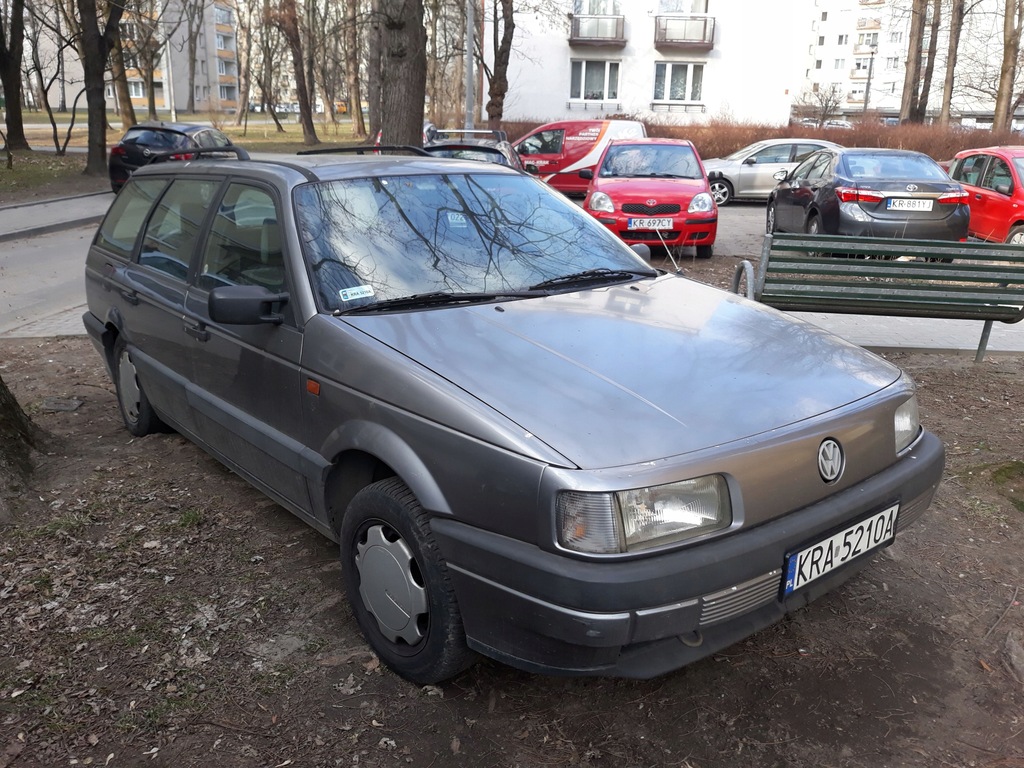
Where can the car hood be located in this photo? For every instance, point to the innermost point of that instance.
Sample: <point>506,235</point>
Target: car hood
<point>719,164</point>
<point>636,372</point>
<point>644,188</point>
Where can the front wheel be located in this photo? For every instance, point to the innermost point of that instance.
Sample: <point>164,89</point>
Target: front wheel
<point>1016,236</point>
<point>399,586</point>
<point>721,190</point>
<point>705,251</point>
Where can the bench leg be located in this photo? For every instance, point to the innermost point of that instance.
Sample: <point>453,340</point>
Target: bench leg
<point>983,344</point>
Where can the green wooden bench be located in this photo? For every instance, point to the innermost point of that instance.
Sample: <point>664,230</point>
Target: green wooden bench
<point>880,276</point>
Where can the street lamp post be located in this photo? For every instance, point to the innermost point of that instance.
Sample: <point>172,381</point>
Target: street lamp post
<point>871,68</point>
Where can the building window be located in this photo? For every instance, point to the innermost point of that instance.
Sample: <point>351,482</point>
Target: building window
<point>136,89</point>
<point>682,6</point>
<point>867,38</point>
<point>895,37</point>
<point>821,39</point>
<point>862,63</point>
<point>202,67</point>
<point>225,43</point>
<point>843,40</point>
<point>892,62</point>
<point>222,15</point>
<point>597,7</point>
<point>594,80</point>
<point>840,64</point>
<point>227,93</point>
<point>824,15</point>
<point>817,64</point>
<point>678,82</point>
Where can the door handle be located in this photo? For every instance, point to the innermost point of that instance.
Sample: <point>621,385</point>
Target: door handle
<point>977,196</point>
<point>130,296</point>
<point>197,331</point>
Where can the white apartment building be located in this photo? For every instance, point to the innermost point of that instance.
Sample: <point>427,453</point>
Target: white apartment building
<point>680,61</point>
<point>685,61</point>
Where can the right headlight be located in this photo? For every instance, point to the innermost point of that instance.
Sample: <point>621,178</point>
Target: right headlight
<point>907,424</point>
<point>607,523</point>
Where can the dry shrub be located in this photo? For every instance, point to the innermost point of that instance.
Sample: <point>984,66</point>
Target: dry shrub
<point>718,138</point>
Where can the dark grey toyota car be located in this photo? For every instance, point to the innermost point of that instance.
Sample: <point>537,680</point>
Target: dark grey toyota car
<point>528,442</point>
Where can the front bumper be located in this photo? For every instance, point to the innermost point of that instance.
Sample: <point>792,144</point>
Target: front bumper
<point>545,612</point>
<point>686,230</point>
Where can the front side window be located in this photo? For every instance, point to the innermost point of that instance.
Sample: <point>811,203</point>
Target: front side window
<point>173,229</point>
<point>244,246</point>
<point>543,143</point>
<point>998,175</point>
<point>594,80</point>
<point>675,81</point>
<point>778,153</point>
<point>371,240</point>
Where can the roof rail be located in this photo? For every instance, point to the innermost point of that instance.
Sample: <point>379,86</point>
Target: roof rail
<point>466,133</point>
<point>362,149</point>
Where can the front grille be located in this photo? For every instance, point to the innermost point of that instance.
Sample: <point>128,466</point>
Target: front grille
<point>740,599</point>
<point>634,234</point>
<point>651,210</point>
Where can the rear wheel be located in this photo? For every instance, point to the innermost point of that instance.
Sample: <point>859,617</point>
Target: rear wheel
<point>813,228</point>
<point>769,223</point>
<point>721,190</point>
<point>139,416</point>
<point>399,586</point>
<point>1016,236</point>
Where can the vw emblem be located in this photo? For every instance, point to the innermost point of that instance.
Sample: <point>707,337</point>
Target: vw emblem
<point>651,201</point>
<point>911,187</point>
<point>830,460</point>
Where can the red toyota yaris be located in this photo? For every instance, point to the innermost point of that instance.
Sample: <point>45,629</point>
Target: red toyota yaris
<point>654,191</point>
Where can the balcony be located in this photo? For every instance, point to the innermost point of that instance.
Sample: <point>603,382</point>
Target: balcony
<point>690,33</point>
<point>598,30</point>
<point>869,23</point>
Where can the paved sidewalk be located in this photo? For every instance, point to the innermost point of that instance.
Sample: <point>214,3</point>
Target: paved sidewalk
<point>43,216</point>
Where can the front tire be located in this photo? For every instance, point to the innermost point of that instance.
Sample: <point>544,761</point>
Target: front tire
<point>399,586</point>
<point>722,191</point>
<point>705,251</point>
<point>769,223</point>
<point>1016,235</point>
<point>136,410</point>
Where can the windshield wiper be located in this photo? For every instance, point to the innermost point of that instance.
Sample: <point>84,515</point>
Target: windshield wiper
<point>437,299</point>
<point>602,275</point>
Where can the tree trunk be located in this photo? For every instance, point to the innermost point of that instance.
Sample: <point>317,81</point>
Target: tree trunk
<point>921,110</point>
<point>120,77</point>
<point>18,435</point>
<point>11,48</point>
<point>355,97</point>
<point>404,80</point>
<point>957,12</point>
<point>912,78</point>
<point>1013,19</point>
<point>287,20</point>
<point>375,68</point>
<point>95,46</point>
<point>498,85</point>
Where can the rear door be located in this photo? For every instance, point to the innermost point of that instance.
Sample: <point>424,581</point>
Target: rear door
<point>755,177</point>
<point>970,171</point>
<point>994,202</point>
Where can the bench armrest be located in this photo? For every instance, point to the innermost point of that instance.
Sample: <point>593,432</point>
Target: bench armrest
<point>744,272</point>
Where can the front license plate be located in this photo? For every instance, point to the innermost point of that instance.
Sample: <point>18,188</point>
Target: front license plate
<point>822,558</point>
<point>650,223</point>
<point>903,204</point>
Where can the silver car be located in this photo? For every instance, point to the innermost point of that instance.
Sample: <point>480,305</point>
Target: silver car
<point>528,443</point>
<point>750,172</point>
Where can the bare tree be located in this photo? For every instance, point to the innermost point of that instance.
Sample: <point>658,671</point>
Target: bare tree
<point>286,18</point>
<point>12,36</point>
<point>47,49</point>
<point>915,52</point>
<point>355,97</point>
<point>95,46</point>
<point>1013,24</point>
<point>18,436</point>
<point>375,67</point>
<point>822,102</point>
<point>192,15</point>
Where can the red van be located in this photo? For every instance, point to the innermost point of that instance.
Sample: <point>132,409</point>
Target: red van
<point>562,149</point>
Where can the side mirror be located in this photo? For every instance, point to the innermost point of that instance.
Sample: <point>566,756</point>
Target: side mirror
<point>750,161</point>
<point>642,250</point>
<point>1003,189</point>
<point>245,305</point>
<point>532,169</point>
<point>780,175</point>
<point>587,173</point>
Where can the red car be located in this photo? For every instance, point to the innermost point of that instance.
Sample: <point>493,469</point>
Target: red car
<point>654,191</point>
<point>994,180</point>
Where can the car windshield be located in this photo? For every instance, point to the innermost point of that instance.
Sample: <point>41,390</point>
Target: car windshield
<point>480,154</point>
<point>885,166</point>
<point>646,160</point>
<point>378,239</point>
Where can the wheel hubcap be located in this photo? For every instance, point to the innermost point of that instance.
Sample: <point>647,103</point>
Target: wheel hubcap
<point>771,219</point>
<point>1017,239</point>
<point>720,193</point>
<point>389,585</point>
<point>128,386</point>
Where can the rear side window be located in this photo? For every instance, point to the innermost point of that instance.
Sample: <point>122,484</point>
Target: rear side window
<point>127,215</point>
<point>212,138</point>
<point>173,229</point>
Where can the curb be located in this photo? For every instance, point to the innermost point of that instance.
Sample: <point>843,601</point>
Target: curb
<point>49,200</point>
<point>47,229</point>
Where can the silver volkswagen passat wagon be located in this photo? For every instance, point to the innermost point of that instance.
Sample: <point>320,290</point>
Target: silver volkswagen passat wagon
<point>528,443</point>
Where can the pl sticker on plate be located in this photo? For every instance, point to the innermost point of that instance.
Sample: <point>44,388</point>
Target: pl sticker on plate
<point>359,292</point>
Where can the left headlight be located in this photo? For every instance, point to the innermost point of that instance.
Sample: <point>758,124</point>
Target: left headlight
<point>907,424</point>
<point>606,523</point>
<point>701,203</point>
<point>599,201</point>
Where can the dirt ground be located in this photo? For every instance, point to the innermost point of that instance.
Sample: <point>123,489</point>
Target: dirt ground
<point>156,610</point>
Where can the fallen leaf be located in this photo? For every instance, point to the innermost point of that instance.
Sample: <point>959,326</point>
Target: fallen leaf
<point>456,745</point>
